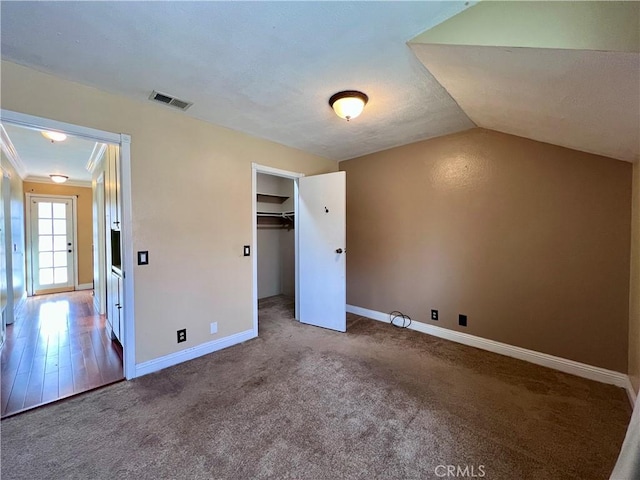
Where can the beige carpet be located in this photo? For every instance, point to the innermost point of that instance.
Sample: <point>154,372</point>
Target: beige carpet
<point>306,403</point>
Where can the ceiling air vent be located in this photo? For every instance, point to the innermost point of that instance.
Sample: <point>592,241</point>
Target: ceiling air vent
<point>169,100</point>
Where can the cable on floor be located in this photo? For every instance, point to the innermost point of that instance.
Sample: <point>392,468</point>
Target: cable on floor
<point>395,315</point>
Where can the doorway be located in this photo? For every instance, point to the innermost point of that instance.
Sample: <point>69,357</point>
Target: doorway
<point>319,236</point>
<point>51,243</point>
<point>275,238</point>
<point>121,143</point>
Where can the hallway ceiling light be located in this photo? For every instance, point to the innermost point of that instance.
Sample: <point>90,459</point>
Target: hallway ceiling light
<point>348,104</point>
<point>59,178</point>
<point>54,136</point>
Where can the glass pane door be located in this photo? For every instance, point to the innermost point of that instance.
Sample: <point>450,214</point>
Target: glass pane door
<point>52,245</point>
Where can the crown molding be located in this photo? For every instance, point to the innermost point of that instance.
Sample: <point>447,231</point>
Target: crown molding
<point>11,153</point>
<point>95,159</point>
<point>68,183</point>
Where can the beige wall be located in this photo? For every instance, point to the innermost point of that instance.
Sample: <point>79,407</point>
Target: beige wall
<point>593,25</point>
<point>529,240</point>
<point>192,205</point>
<point>85,222</point>
<point>634,295</point>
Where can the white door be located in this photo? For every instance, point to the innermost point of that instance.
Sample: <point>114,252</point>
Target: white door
<point>322,250</point>
<point>52,245</point>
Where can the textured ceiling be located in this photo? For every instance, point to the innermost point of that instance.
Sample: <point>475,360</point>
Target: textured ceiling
<point>585,100</point>
<point>264,68</point>
<point>42,158</point>
<point>566,73</point>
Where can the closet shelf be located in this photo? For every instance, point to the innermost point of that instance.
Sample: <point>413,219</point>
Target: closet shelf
<point>276,214</point>
<point>268,198</point>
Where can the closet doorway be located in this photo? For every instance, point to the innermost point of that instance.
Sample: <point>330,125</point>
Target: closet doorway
<point>275,238</point>
<point>319,237</point>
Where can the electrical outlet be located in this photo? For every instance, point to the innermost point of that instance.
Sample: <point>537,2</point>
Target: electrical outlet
<point>434,314</point>
<point>214,327</point>
<point>182,335</point>
<point>462,320</point>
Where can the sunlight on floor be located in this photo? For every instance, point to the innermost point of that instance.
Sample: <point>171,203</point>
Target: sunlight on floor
<point>54,317</point>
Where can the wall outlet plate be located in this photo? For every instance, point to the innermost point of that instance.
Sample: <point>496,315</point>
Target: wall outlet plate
<point>462,320</point>
<point>434,314</point>
<point>143,258</point>
<point>214,327</point>
<point>182,335</point>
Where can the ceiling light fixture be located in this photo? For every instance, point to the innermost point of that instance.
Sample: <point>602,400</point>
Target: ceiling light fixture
<point>348,104</point>
<point>54,136</point>
<point>59,178</point>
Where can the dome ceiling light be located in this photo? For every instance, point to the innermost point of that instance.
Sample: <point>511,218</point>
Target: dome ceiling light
<point>348,104</point>
<point>59,178</point>
<point>54,136</point>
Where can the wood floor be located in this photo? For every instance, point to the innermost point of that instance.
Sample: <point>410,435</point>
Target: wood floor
<point>57,347</point>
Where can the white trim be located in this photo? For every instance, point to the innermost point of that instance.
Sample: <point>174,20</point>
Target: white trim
<point>40,123</point>
<point>276,171</point>
<point>550,361</point>
<point>126,222</point>
<point>68,183</point>
<point>255,169</point>
<point>95,159</point>
<point>11,153</point>
<point>193,352</point>
<point>84,286</point>
<point>74,207</point>
<point>631,393</point>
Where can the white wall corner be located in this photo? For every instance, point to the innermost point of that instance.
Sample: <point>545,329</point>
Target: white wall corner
<point>557,363</point>
<point>194,352</point>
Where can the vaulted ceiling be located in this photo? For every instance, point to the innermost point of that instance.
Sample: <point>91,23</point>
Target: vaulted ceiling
<point>566,73</point>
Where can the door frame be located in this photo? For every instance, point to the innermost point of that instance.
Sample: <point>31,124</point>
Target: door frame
<point>255,169</point>
<point>28,240</point>
<point>124,142</point>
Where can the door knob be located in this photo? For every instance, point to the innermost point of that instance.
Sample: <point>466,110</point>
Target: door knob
<point>339,250</point>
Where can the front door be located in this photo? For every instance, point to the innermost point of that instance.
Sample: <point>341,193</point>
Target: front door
<point>52,258</point>
<point>322,250</point>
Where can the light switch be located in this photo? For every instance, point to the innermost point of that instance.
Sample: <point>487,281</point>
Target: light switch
<point>143,258</point>
<point>247,250</point>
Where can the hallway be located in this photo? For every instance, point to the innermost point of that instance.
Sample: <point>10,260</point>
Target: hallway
<point>57,347</point>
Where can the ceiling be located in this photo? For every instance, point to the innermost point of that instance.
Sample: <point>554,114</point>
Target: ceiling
<point>41,158</point>
<point>581,99</point>
<point>264,68</point>
<point>566,73</point>
<point>577,85</point>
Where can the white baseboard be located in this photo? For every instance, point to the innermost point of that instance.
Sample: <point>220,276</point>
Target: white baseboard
<point>557,363</point>
<point>631,393</point>
<point>84,286</point>
<point>193,352</point>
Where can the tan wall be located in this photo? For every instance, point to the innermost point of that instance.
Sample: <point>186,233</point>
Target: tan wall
<point>529,240</point>
<point>85,222</point>
<point>634,296</point>
<point>192,205</point>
